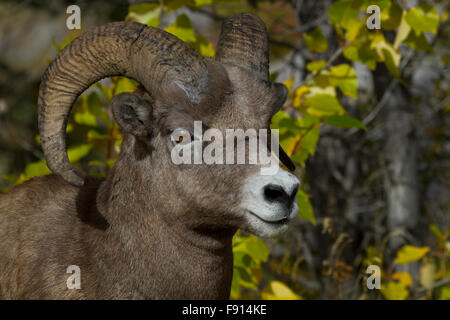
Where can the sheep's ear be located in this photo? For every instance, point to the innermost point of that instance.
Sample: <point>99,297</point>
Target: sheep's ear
<point>281,92</point>
<point>133,114</point>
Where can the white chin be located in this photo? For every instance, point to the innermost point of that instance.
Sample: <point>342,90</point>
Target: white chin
<point>265,215</point>
<point>262,228</point>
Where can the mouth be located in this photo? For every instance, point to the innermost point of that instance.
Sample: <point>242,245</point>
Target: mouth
<point>281,222</point>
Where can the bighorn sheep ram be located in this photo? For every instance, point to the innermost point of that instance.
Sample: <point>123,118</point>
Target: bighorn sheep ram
<point>152,229</point>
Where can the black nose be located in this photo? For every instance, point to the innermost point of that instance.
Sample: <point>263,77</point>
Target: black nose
<point>276,193</point>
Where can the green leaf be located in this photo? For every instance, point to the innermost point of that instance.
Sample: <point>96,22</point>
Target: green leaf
<point>288,127</point>
<point>125,85</point>
<point>391,17</point>
<point>111,162</point>
<point>254,247</point>
<point>243,260</point>
<point>300,157</point>
<point>387,54</point>
<point>391,63</point>
<point>402,32</point>
<point>424,18</point>
<point>95,107</point>
<point>407,254</point>
<point>307,146</point>
<point>315,65</point>
<point>417,42</point>
<point>360,54</point>
<point>435,230</point>
<point>200,3</point>
<point>291,124</point>
<point>244,278</point>
<point>182,28</point>
<point>171,5</point>
<point>85,118</point>
<point>309,140</point>
<point>321,105</point>
<point>277,290</point>
<point>146,13</point>
<point>315,40</point>
<point>383,4</point>
<point>305,210</point>
<point>344,121</point>
<point>403,277</point>
<point>94,135</point>
<point>36,169</point>
<point>321,80</point>
<point>394,291</point>
<point>204,47</point>
<point>344,77</point>
<point>106,91</point>
<point>445,293</point>
<point>77,153</point>
<point>343,13</point>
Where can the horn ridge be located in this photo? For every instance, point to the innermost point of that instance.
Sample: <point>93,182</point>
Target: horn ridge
<point>244,43</point>
<point>128,49</point>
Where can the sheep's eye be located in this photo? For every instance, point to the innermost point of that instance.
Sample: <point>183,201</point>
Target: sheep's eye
<point>181,136</point>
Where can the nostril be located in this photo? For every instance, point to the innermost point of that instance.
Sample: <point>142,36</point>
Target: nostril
<point>274,193</point>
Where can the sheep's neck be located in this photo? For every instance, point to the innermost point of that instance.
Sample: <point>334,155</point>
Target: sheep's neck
<point>161,261</point>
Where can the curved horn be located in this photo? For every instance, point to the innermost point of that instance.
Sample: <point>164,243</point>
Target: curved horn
<point>244,43</point>
<point>150,56</point>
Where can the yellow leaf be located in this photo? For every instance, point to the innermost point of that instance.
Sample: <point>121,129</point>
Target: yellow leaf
<point>147,13</point>
<point>305,210</point>
<point>313,90</point>
<point>298,95</point>
<point>394,291</point>
<point>76,153</point>
<point>182,28</point>
<point>353,28</point>
<point>85,118</point>
<point>315,40</point>
<point>344,77</point>
<point>409,253</point>
<point>427,273</point>
<point>204,47</point>
<point>36,169</point>
<point>321,105</point>
<point>402,32</point>
<point>277,290</point>
<point>423,18</point>
<point>293,145</point>
<point>125,85</point>
<point>315,66</point>
<point>445,293</point>
<point>386,53</point>
<point>403,277</point>
<point>288,83</point>
<point>21,179</point>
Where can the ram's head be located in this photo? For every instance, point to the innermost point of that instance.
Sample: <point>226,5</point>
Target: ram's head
<point>178,87</point>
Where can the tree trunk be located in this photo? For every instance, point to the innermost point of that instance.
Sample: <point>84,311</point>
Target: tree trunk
<point>400,155</point>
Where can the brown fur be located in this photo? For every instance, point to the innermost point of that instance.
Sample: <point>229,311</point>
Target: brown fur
<point>151,230</point>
